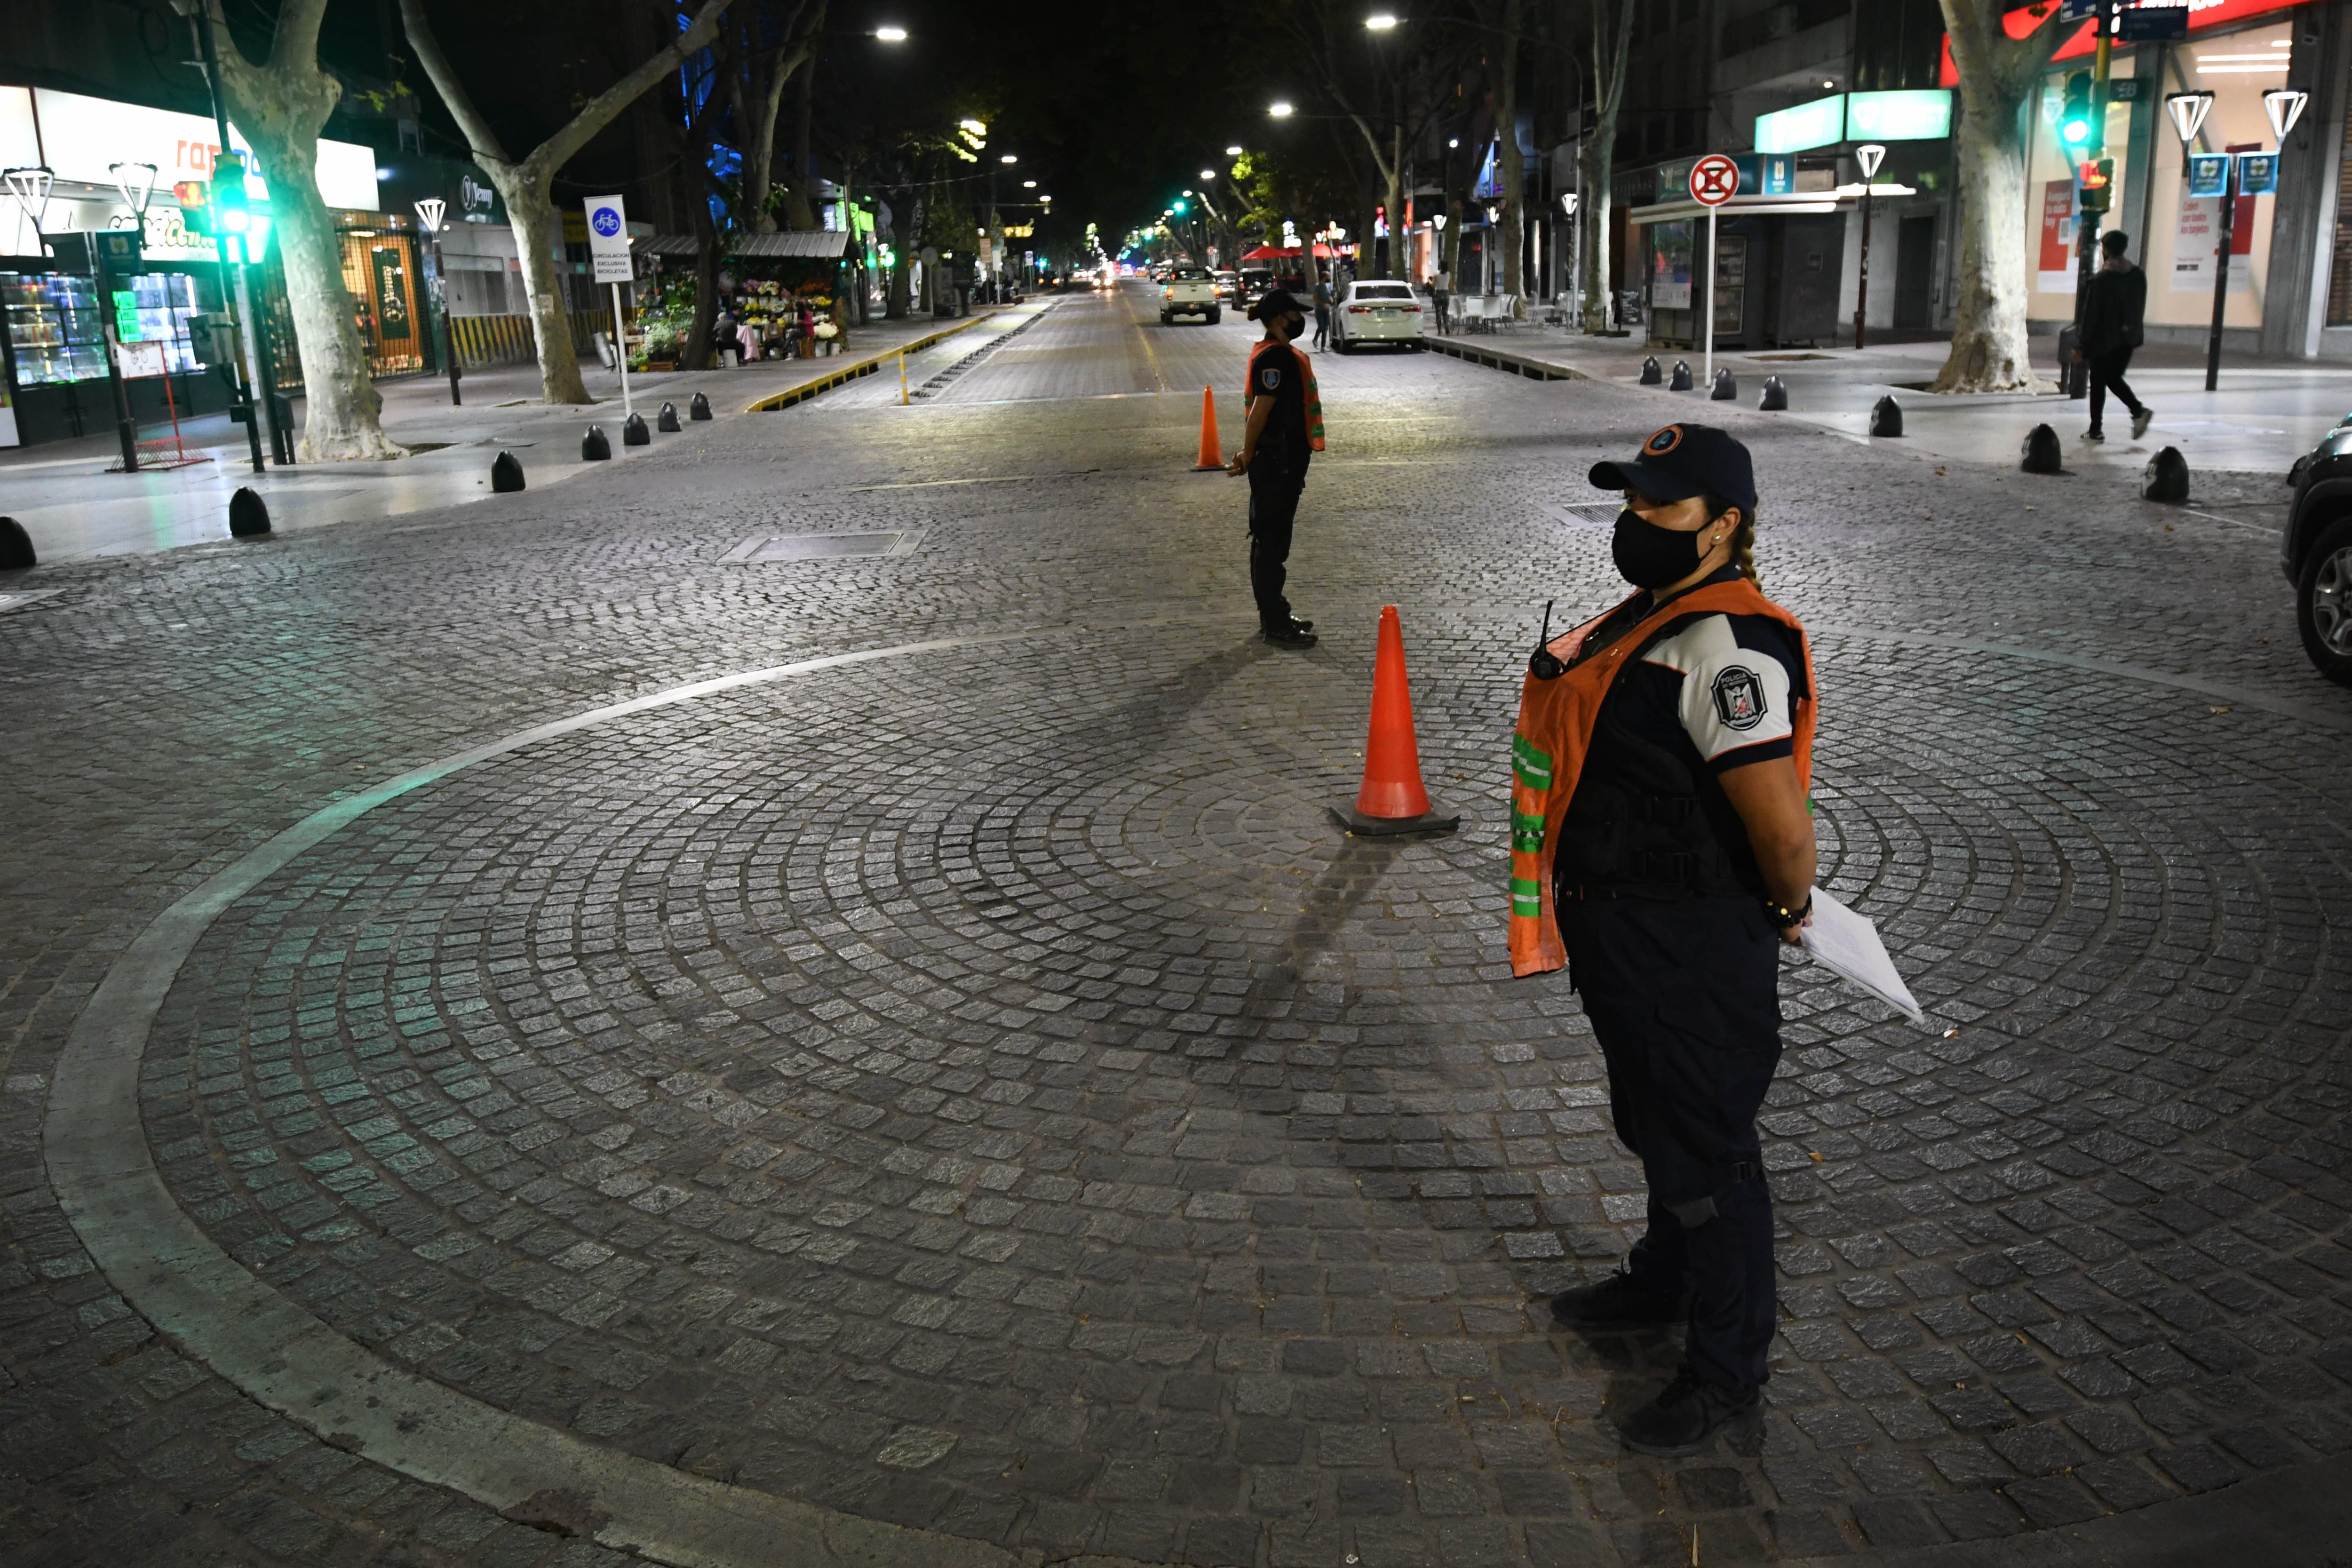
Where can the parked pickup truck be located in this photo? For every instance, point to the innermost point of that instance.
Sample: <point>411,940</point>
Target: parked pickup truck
<point>1189,291</point>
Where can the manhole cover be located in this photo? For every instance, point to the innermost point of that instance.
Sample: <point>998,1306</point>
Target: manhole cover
<point>823,546</point>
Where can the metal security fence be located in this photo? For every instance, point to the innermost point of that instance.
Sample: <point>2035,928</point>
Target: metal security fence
<point>506,340</point>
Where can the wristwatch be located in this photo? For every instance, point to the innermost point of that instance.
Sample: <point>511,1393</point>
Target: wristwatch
<point>1783,918</point>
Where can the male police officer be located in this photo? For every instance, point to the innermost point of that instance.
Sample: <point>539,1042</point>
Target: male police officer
<point>1660,769</point>
<point>1284,426</point>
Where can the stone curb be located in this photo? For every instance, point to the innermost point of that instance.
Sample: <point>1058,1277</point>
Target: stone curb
<point>868,365</point>
<point>1505,360</point>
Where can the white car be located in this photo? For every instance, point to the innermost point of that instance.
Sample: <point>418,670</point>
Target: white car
<point>1377,311</point>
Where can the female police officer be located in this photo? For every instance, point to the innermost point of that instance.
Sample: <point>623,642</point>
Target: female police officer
<point>1662,849</point>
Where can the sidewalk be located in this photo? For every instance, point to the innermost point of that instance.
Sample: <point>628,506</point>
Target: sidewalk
<point>75,509</point>
<point>2266,414</point>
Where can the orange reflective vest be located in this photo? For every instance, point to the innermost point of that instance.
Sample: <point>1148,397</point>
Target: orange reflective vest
<point>1310,399</point>
<point>1555,721</point>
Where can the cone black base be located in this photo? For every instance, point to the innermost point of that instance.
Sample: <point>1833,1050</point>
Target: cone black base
<point>1437,819</point>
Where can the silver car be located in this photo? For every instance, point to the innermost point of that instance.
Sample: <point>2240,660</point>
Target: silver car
<point>1377,311</point>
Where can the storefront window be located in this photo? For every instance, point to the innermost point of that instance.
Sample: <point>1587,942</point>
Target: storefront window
<point>2237,69</point>
<point>53,327</point>
<point>380,273</point>
<point>2050,182</point>
<point>163,302</point>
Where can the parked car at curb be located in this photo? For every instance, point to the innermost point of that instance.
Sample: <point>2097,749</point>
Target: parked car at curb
<point>2316,553</point>
<point>1229,286</point>
<point>1376,311</point>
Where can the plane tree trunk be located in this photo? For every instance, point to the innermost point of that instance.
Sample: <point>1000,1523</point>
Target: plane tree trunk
<point>526,184</point>
<point>1997,73</point>
<point>1613,37</point>
<point>280,106</point>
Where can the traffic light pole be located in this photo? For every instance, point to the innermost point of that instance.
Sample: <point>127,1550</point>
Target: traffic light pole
<point>231,298</point>
<point>2086,228</point>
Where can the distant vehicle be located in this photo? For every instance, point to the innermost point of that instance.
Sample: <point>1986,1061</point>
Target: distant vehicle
<point>1229,284</point>
<point>1250,287</point>
<point>1189,291</point>
<point>2316,552</point>
<point>1376,312</point>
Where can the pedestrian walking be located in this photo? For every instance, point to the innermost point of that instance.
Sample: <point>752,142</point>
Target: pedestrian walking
<point>1663,851</point>
<point>1284,426</point>
<point>2114,311</point>
<point>1441,289</point>
<point>1322,313</point>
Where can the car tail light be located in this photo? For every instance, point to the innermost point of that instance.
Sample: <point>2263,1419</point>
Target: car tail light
<point>1360,310</point>
<point>1413,310</point>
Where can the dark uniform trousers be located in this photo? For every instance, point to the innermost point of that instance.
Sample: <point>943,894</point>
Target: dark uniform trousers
<point>1684,996</point>
<point>1277,480</point>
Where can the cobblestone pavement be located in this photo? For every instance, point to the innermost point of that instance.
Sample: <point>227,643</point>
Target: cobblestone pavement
<point>976,1089</point>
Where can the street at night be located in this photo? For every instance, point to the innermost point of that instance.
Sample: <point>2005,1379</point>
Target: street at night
<point>805,994</point>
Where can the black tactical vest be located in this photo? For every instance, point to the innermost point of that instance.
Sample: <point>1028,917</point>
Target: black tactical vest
<point>1641,825</point>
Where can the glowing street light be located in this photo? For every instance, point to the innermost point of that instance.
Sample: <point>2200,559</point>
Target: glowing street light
<point>2189,111</point>
<point>1028,185</point>
<point>1380,22</point>
<point>1233,151</point>
<point>1208,173</point>
<point>1009,158</point>
<point>1280,110</point>
<point>2284,105</point>
<point>891,34</point>
<point>137,183</point>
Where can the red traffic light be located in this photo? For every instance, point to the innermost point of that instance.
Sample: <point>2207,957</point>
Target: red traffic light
<point>2093,174</point>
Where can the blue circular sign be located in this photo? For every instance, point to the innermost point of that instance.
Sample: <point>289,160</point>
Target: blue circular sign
<point>607,221</point>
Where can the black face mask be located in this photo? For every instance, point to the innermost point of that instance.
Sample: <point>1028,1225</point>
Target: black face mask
<point>1649,556</point>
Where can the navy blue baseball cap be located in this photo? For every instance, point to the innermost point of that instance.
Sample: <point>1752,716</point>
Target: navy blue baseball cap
<point>1685,460</point>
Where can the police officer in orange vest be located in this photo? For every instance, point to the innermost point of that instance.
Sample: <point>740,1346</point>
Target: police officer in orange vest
<point>1663,848</point>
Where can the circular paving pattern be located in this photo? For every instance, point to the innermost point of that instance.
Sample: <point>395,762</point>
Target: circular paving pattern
<point>1034,1122</point>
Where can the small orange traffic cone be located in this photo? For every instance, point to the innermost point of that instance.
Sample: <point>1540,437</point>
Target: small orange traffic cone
<point>1209,450</point>
<point>1392,799</point>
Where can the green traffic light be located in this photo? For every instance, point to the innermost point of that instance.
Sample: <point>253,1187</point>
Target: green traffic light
<point>2075,114</point>
<point>1179,206</point>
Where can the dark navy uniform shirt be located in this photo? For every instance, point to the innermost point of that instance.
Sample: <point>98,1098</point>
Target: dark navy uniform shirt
<point>1275,372</point>
<point>1717,691</point>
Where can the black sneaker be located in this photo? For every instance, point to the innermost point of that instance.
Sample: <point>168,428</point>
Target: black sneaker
<point>1685,1417</point>
<point>1617,1302</point>
<point>2095,435</point>
<point>2140,422</point>
<point>1295,635</point>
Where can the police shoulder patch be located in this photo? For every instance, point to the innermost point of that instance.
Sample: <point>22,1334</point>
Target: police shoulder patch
<point>1270,378</point>
<point>1739,698</point>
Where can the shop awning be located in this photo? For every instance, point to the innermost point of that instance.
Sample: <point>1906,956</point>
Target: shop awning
<point>1286,253</point>
<point>1840,198</point>
<point>817,244</point>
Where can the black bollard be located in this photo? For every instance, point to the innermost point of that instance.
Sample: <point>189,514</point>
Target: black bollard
<point>1776,394</point>
<point>15,546</point>
<point>1726,388</point>
<point>1649,374</point>
<point>2040,454</point>
<point>667,420</point>
<point>699,408</point>
<point>1886,416</point>
<point>505,474</point>
<point>2166,478</point>
<point>1681,381</point>
<point>594,447</point>
<point>635,433</point>
<point>249,514</point>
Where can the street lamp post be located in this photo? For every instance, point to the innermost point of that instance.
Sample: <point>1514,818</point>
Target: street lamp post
<point>429,213</point>
<point>1869,156</point>
<point>137,183</point>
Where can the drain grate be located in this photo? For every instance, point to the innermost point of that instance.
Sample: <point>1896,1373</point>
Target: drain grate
<point>763,548</point>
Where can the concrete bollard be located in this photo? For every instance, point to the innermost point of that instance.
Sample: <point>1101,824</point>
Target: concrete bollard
<point>1726,388</point>
<point>249,514</point>
<point>505,474</point>
<point>15,546</point>
<point>594,447</point>
<point>2166,478</point>
<point>633,432</point>
<point>2040,454</point>
<point>699,408</point>
<point>1776,394</point>
<point>667,420</point>
<point>1886,416</point>
<point>1651,376</point>
<point>1681,381</point>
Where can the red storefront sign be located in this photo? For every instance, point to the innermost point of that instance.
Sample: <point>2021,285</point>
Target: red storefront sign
<point>2202,14</point>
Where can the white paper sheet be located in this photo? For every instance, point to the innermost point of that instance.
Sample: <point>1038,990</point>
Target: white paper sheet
<point>1847,945</point>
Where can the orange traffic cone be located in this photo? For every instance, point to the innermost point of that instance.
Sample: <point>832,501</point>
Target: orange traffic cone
<point>1392,799</point>
<point>1209,450</point>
